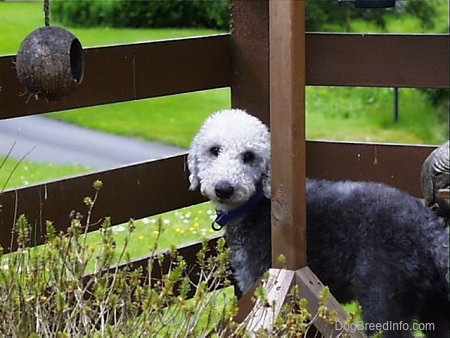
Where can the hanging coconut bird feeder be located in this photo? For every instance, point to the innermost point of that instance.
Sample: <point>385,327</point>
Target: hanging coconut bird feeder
<point>50,61</point>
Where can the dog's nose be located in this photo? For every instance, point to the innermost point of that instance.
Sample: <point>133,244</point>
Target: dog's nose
<point>224,189</point>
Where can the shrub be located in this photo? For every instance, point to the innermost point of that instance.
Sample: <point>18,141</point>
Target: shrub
<point>436,96</point>
<point>85,13</point>
<point>145,13</point>
<point>440,99</point>
<point>65,288</point>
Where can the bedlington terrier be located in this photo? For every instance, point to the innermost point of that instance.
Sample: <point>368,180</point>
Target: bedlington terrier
<point>366,241</point>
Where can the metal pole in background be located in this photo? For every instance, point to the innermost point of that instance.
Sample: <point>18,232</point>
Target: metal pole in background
<point>396,105</point>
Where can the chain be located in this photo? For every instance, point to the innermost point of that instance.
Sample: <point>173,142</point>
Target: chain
<point>47,12</point>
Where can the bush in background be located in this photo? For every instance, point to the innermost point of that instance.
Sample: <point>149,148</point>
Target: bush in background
<point>331,15</point>
<point>144,14</point>
<point>320,15</point>
<point>85,13</point>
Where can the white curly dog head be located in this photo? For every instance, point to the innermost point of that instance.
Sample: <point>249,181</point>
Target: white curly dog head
<point>230,159</point>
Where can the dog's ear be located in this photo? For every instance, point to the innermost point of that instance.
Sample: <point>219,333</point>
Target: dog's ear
<point>192,163</point>
<point>266,181</point>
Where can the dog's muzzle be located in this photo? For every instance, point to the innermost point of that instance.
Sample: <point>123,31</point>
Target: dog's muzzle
<point>224,190</point>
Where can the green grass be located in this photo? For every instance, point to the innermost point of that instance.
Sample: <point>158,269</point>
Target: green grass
<point>334,113</point>
<point>169,119</point>
<point>180,226</point>
<point>366,114</point>
<point>18,19</point>
<point>15,174</point>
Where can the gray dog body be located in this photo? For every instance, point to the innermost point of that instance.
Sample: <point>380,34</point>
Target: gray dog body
<point>366,241</point>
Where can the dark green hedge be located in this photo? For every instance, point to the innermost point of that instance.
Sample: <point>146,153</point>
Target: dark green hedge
<point>143,13</point>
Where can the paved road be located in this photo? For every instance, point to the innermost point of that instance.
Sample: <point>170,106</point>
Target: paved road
<point>63,143</point>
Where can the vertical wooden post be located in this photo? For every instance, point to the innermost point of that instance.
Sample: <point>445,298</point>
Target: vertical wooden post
<point>287,122</point>
<point>250,57</point>
<point>284,96</point>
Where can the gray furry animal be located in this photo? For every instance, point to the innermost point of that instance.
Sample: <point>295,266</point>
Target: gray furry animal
<point>366,241</point>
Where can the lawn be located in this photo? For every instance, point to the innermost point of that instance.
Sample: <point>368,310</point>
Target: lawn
<point>168,119</point>
<point>366,114</point>
<point>15,173</point>
<point>18,19</point>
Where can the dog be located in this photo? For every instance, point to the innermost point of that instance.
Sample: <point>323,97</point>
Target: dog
<point>366,241</point>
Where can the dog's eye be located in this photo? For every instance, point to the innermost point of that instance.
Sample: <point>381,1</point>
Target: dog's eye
<point>248,157</point>
<point>214,151</point>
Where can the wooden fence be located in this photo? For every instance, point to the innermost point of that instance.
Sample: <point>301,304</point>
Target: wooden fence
<point>239,60</point>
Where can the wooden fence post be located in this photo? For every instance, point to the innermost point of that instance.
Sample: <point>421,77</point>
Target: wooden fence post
<point>287,124</point>
<point>250,57</point>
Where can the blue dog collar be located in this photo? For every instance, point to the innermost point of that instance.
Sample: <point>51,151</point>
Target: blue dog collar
<point>223,217</point>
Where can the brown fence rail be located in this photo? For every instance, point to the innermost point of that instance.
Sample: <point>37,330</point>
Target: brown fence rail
<point>143,70</point>
<point>134,191</point>
<point>129,72</point>
<point>376,60</point>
